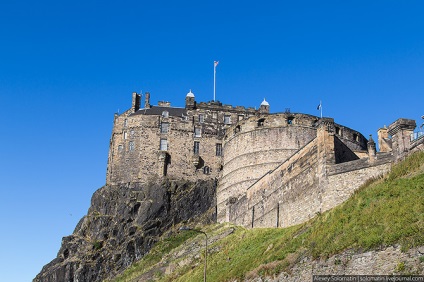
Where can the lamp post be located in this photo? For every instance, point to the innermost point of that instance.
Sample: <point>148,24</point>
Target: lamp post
<point>185,228</point>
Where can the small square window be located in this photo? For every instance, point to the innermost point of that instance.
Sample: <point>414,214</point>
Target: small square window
<point>227,119</point>
<point>219,149</point>
<point>197,132</point>
<point>196,148</point>
<point>164,127</point>
<point>163,145</point>
<point>120,148</point>
<point>165,114</point>
<point>201,118</point>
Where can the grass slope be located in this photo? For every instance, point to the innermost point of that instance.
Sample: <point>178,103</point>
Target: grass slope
<point>383,212</point>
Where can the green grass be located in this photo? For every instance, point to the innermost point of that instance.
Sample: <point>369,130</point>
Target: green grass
<point>164,246</point>
<point>385,212</point>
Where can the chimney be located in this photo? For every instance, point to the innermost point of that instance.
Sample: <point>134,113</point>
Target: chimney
<point>135,106</point>
<point>147,100</point>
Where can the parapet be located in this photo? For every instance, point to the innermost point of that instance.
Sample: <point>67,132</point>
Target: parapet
<point>402,124</point>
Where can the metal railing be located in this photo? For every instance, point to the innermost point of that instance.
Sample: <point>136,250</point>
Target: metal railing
<point>416,135</point>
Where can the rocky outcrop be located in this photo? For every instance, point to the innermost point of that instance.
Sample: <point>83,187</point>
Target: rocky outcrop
<point>123,223</point>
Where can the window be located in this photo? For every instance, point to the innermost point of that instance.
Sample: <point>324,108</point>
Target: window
<point>214,115</point>
<point>120,148</point>
<point>131,146</point>
<point>125,122</point>
<point>290,120</point>
<point>261,122</point>
<point>207,170</point>
<point>125,135</point>
<point>165,114</point>
<point>227,119</point>
<point>219,149</point>
<point>201,118</point>
<point>164,127</point>
<point>132,133</point>
<point>355,137</point>
<point>197,132</point>
<point>337,130</point>
<point>196,148</point>
<point>163,145</point>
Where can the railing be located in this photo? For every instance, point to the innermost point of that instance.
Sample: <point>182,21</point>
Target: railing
<point>416,135</point>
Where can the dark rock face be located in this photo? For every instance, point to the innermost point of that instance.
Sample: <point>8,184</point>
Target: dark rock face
<point>123,223</point>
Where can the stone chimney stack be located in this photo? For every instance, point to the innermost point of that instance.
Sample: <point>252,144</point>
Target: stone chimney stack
<point>135,102</point>
<point>147,100</point>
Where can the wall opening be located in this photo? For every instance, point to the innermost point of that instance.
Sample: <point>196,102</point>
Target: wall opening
<point>261,122</point>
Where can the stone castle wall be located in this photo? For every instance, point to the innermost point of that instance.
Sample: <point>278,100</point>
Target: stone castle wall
<point>260,144</point>
<point>272,169</point>
<point>180,143</point>
<point>309,182</point>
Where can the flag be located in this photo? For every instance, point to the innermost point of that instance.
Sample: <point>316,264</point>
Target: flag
<point>215,63</point>
<point>319,106</point>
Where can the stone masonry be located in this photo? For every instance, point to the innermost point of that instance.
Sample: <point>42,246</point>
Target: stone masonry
<point>272,169</point>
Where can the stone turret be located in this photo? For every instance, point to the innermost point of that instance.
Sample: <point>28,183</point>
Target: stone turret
<point>371,149</point>
<point>264,108</point>
<point>190,103</point>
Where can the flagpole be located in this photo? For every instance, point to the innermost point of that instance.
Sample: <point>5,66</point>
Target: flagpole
<point>214,80</point>
<point>215,63</point>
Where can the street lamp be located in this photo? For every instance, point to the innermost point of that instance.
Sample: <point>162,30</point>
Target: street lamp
<point>186,228</point>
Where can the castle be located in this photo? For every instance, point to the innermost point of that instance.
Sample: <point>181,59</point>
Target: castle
<point>273,169</point>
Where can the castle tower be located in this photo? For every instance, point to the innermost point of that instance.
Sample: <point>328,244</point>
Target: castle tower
<point>190,103</point>
<point>264,108</point>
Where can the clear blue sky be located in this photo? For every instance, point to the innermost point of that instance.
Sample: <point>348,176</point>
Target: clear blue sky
<point>67,66</point>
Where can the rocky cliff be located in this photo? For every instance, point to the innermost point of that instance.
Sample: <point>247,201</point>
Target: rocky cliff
<point>123,223</point>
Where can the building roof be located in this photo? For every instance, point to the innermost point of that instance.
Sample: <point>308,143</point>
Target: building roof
<point>190,94</point>
<point>264,103</point>
<point>157,110</point>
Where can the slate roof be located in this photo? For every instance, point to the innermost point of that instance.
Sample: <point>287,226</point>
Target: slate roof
<point>157,110</point>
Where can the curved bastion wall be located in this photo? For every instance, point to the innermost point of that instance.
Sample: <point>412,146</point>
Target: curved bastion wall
<point>257,145</point>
